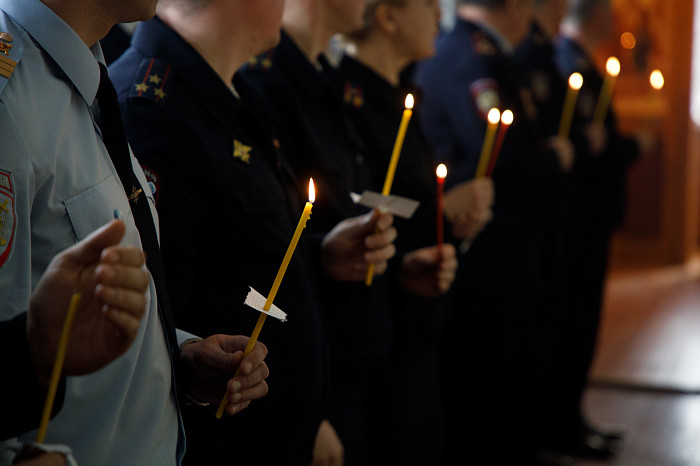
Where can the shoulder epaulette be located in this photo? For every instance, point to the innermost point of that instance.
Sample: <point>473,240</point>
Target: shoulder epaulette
<point>152,80</point>
<point>10,54</point>
<point>352,95</point>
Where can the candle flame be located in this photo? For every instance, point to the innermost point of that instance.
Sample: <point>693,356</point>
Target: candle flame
<point>312,191</point>
<point>441,171</point>
<point>656,78</point>
<point>409,101</point>
<point>507,117</point>
<point>613,66</point>
<point>576,81</point>
<point>494,116</point>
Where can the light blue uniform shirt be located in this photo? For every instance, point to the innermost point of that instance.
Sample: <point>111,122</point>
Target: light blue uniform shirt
<point>57,185</point>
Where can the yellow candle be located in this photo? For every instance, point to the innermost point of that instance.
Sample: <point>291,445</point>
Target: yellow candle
<point>275,285</point>
<point>494,117</point>
<point>391,171</point>
<point>567,114</point>
<point>57,367</point>
<point>601,109</point>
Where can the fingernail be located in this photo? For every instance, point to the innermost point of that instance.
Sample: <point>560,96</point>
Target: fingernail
<point>236,385</point>
<point>247,367</point>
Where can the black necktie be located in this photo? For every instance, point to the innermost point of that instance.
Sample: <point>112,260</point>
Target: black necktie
<point>114,137</point>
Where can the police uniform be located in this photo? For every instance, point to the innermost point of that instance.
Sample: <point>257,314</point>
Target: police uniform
<point>500,284</point>
<point>599,204</point>
<point>375,108</point>
<point>228,209</point>
<point>57,185</point>
<point>317,141</point>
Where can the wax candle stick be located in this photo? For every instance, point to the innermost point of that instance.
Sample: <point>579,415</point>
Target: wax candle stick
<point>57,367</point>
<point>391,171</point>
<point>567,114</point>
<point>441,173</point>
<point>612,67</point>
<point>506,121</point>
<point>493,117</point>
<point>275,285</point>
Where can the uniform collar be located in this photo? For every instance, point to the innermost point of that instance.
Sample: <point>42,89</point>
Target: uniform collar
<point>154,38</point>
<point>371,82</point>
<point>298,66</point>
<point>60,41</point>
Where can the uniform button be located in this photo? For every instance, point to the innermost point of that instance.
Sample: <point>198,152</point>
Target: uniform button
<point>152,186</point>
<point>359,159</point>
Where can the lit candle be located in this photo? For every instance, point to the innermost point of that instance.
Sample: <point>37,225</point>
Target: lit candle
<point>567,113</point>
<point>601,109</point>
<point>275,285</point>
<point>57,367</point>
<point>493,118</point>
<point>441,174</point>
<point>391,171</point>
<point>656,79</point>
<point>506,121</point>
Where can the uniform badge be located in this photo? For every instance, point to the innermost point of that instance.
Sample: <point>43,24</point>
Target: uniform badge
<point>485,95</point>
<point>539,82</point>
<point>7,65</point>
<point>153,180</point>
<point>352,95</point>
<point>241,151</point>
<point>482,44</point>
<point>152,80</point>
<point>8,219</point>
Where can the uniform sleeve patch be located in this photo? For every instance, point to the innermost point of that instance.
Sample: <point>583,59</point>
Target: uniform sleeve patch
<point>8,219</point>
<point>352,95</point>
<point>485,95</point>
<point>153,80</point>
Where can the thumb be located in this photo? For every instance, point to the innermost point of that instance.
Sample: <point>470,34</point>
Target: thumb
<point>364,225</point>
<point>89,249</point>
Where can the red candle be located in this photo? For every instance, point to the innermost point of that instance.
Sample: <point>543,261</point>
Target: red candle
<point>441,174</point>
<point>506,121</point>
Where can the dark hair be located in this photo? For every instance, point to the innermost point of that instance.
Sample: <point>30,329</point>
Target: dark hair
<point>580,11</point>
<point>484,3</point>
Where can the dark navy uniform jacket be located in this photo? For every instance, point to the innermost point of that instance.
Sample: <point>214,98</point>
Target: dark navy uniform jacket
<point>468,75</point>
<point>317,141</point>
<point>375,108</point>
<point>602,177</point>
<point>228,209</point>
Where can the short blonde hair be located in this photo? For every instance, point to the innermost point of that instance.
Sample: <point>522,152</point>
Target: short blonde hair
<point>370,9</point>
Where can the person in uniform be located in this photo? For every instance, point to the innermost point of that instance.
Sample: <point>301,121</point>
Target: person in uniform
<point>225,196</point>
<point>396,34</point>
<point>302,90</point>
<point>599,204</point>
<point>66,170</point>
<point>501,288</point>
<point>114,284</point>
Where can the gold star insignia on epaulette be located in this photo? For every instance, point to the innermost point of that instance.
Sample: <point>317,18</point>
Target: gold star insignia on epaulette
<point>159,92</point>
<point>141,87</point>
<point>266,63</point>
<point>135,194</point>
<point>155,79</point>
<point>241,151</point>
<point>253,60</point>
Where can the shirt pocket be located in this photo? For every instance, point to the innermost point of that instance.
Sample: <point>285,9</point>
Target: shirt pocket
<point>95,206</point>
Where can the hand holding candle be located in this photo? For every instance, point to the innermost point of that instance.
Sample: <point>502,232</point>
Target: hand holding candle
<point>567,114</point>
<point>275,285</point>
<point>393,162</point>
<point>506,121</point>
<point>493,118</point>
<point>601,109</point>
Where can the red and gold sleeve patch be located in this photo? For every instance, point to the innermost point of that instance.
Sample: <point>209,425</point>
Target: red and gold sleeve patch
<point>485,95</point>
<point>8,218</point>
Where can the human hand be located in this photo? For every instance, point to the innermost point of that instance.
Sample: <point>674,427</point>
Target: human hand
<point>597,136</point>
<point>428,272</point>
<point>210,362</point>
<point>564,149</point>
<point>349,248</point>
<point>328,449</point>
<point>468,207</point>
<point>113,284</point>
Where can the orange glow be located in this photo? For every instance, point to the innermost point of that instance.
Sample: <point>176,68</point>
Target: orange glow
<point>628,40</point>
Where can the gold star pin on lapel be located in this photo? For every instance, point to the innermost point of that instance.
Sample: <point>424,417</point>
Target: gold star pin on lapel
<point>135,194</point>
<point>241,151</point>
